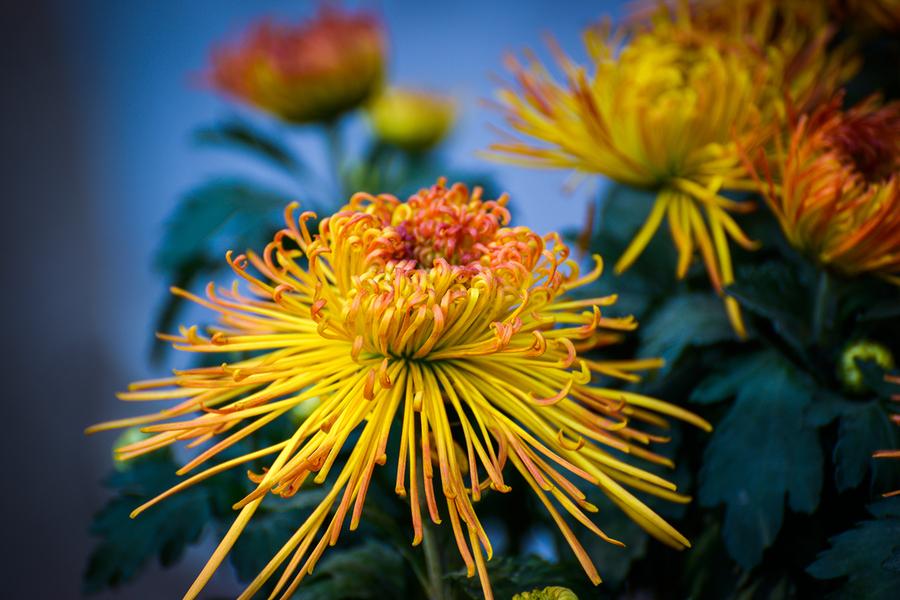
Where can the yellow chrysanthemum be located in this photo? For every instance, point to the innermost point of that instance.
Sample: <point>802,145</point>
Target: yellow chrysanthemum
<point>663,109</point>
<point>432,321</point>
<point>834,185</point>
<point>411,119</point>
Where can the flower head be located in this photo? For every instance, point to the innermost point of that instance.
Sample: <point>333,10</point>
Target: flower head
<point>834,187</point>
<point>431,321</point>
<point>413,120</point>
<point>304,73</point>
<point>660,113</point>
<point>793,37</point>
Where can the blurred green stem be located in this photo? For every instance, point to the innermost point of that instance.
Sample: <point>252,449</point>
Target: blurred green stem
<point>822,302</point>
<point>433,561</point>
<point>335,150</point>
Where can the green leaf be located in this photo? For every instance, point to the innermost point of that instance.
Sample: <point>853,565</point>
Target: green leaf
<point>761,453</point>
<point>239,134</point>
<point>728,381</point>
<point>268,530</point>
<point>164,530</point>
<point>863,431</point>
<point>207,211</point>
<point>369,571</point>
<point>685,321</point>
<point>512,575</point>
<point>777,293</point>
<point>865,556</point>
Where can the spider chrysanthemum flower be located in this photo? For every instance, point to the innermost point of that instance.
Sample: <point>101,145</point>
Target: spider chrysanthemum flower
<point>664,107</point>
<point>434,322</point>
<point>304,73</point>
<point>834,186</point>
<point>656,113</point>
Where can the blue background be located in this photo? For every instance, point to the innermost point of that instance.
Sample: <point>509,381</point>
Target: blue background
<point>97,113</point>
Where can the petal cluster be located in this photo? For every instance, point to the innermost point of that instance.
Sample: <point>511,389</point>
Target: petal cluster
<point>664,104</point>
<point>833,184</point>
<point>434,323</point>
<point>304,73</point>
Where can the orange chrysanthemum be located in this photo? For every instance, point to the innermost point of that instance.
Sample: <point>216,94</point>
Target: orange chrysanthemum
<point>431,321</point>
<point>305,73</point>
<point>835,189</point>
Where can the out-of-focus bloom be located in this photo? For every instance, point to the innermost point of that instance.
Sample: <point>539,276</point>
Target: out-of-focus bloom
<point>659,113</point>
<point>554,592</point>
<point>866,351</point>
<point>433,320</point>
<point>411,119</point>
<point>304,73</point>
<point>881,13</point>
<point>896,419</point>
<point>792,37</point>
<point>834,187</point>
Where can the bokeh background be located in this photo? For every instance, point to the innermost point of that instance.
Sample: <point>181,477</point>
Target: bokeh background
<point>99,100</point>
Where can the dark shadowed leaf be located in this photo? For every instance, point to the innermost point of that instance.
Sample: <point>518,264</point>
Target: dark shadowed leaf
<point>163,531</point>
<point>369,571</point>
<point>685,321</point>
<point>865,556</point>
<point>511,575</point>
<point>210,210</point>
<point>762,453</point>
<point>863,431</point>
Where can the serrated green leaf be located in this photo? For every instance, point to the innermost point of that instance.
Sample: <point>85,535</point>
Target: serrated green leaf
<point>863,431</point>
<point>761,453</point>
<point>863,555</point>
<point>776,292</point>
<point>239,134</point>
<point>268,530</point>
<point>163,531</point>
<point>727,381</point>
<point>207,210</point>
<point>370,571</point>
<point>511,575</point>
<point>685,321</point>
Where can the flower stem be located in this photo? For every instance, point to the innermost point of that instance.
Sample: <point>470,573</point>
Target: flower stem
<point>820,308</point>
<point>334,148</point>
<point>433,561</point>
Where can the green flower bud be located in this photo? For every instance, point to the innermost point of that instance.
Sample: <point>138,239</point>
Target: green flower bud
<point>553,592</point>
<point>863,350</point>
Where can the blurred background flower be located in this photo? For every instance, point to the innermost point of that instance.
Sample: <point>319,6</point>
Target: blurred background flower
<point>411,119</point>
<point>309,72</point>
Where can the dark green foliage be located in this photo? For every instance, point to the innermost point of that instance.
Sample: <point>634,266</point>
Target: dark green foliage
<point>235,133</point>
<point>685,321</point>
<point>761,454</point>
<point>162,531</point>
<point>865,558</point>
<point>509,576</point>
<point>242,209</point>
<point>370,571</point>
<point>862,431</point>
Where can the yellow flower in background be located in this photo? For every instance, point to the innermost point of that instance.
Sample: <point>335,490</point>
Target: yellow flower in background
<point>411,119</point>
<point>895,379</point>
<point>310,72</point>
<point>794,38</point>
<point>657,113</point>
<point>433,322</point>
<point>834,185</point>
